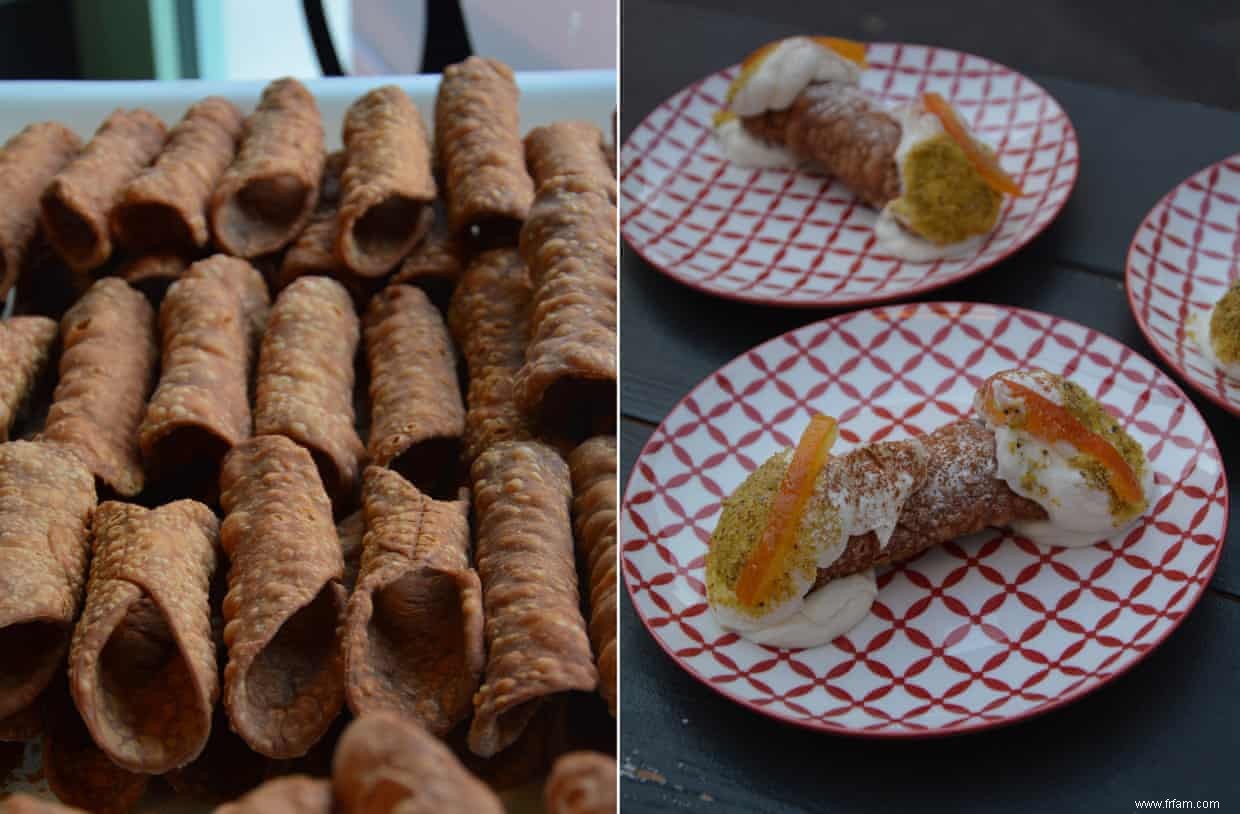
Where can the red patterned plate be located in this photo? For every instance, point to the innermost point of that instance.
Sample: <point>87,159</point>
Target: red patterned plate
<point>1182,258</point>
<point>795,238</point>
<point>976,633</point>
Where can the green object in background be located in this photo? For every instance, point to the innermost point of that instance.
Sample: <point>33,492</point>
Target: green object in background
<point>136,39</point>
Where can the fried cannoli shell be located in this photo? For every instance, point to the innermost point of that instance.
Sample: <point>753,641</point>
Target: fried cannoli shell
<point>435,265</point>
<point>536,637</point>
<point>142,664</point>
<point>226,769</point>
<point>960,495</point>
<point>22,803</point>
<point>314,251</point>
<point>294,794</point>
<point>267,195</point>
<point>77,770</point>
<point>305,378</point>
<point>283,684</point>
<point>386,763</point>
<point>413,627</point>
<point>489,316</point>
<point>165,207</point>
<point>28,162</point>
<point>593,467</point>
<point>842,129</point>
<point>250,286</point>
<point>107,370</point>
<point>152,274</point>
<point>569,148</point>
<point>581,783</point>
<point>76,206</point>
<point>416,415</point>
<point>26,345</point>
<point>387,183</point>
<point>46,500</point>
<point>478,136</point>
<point>567,384</point>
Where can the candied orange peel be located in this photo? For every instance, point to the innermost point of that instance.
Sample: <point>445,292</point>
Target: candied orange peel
<point>1051,422</point>
<point>983,160</point>
<point>772,556</point>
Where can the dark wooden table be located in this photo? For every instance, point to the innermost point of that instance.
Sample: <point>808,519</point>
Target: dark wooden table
<point>1169,728</point>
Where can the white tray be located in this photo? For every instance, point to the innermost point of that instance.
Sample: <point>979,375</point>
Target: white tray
<point>546,96</point>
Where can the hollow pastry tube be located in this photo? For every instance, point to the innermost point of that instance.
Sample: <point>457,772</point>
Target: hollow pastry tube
<point>76,206</point>
<point>107,370</point>
<point>386,763</point>
<point>153,273</point>
<point>569,148</point>
<point>47,498</point>
<point>387,184</point>
<point>200,409</point>
<point>314,250</point>
<point>416,416</point>
<point>413,626</point>
<point>284,682</point>
<point>78,772</point>
<point>477,134</point>
<point>142,664</point>
<point>249,285</point>
<point>593,468</point>
<point>536,637</point>
<point>26,345</point>
<point>267,195</point>
<point>28,162</point>
<point>305,378</point>
<point>164,209</point>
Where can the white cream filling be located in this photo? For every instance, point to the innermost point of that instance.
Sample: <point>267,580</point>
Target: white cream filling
<point>746,150</point>
<point>786,71</point>
<point>1201,333</point>
<point>809,618</point>
<point>1078,513</point>
<point>916,126</point>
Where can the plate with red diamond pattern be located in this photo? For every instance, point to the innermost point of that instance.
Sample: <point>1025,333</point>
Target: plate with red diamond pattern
<point>796,238</point>
<point>976,633</point>
<point>1182,258</point>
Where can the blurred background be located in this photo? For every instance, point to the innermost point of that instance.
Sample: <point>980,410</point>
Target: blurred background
<point>263,39</point>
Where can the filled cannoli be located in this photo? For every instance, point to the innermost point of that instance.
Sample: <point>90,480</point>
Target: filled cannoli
<point>46,500</point>
<point>567,385</point>
<point>28,162</point>
<point>265,197</point>
<point>387,184</point>
<point>938,189</point>
<point>153,273</point>
<point>77,204</point>
<point>292,794</point>
<point>314,251</point>
<point>413,626</point>
<point>78,772</point>
<point>416,414</point>
<point>26,345</point>
<point>201,406</point>
<point>386,763</point>
<point>569,148</point>
<point>283,684</point>
<point>142,666</point>
<point>489,317</point>
<point>305,378</point>
<point>536,637</point>
<point>791,560</point>
<point>107,369</point>
<point>1217,332</point>
<point>436,263</point>
<point>478,137</point>
<point>165,207</point>
<point>581,783</point>
<point>250,286</point>
<point>593,468</point>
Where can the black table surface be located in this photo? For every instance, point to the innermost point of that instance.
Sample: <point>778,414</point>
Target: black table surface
<point>1167,729</point>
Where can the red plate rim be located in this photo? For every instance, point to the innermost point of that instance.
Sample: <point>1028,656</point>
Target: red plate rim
<point>960,729</point>
<point>868,299</point>
<point>1166,359</point>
